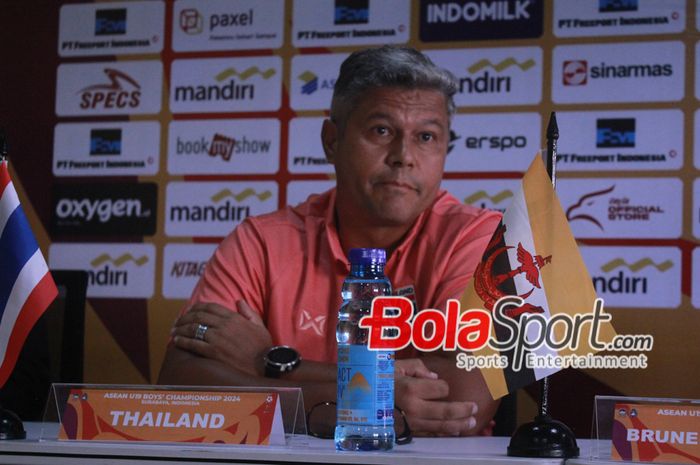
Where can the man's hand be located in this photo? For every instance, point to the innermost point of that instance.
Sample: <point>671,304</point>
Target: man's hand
<point>238,339</point>
<point>422,396</point>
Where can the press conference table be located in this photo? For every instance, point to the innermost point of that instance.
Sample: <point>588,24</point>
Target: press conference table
<point>464,451</point>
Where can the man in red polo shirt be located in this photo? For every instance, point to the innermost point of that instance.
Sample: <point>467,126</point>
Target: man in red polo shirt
<point>276,278</point>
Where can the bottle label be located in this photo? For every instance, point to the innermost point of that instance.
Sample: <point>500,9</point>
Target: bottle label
<point>365,386</point>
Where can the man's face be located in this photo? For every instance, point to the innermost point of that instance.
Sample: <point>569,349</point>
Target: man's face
<point>390,157</point>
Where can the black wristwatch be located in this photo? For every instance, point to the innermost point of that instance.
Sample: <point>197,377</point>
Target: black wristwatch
<point>281,359</point>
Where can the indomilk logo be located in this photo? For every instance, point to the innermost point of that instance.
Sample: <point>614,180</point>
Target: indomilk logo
<point>108,275</point>
<point>613,133</point>
<point>621,282</point>
<point>486,82</point>
<point>223,212</point>
<point>230,90</point>
<point>351,12</point>
<point>612,6</point>
<point>122,92</point>
<point>578,72</point>
<point>191,21</point>
<point>110,22</point>
<point>310,81</point>
<point>479,11</point>
<point>105,142</point>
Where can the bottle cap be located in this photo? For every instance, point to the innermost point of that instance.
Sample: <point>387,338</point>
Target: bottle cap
<point>367,256</point>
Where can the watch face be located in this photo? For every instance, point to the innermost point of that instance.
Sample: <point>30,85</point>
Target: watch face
<point>282,355</point>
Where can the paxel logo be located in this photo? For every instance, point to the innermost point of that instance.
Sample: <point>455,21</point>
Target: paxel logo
<point>105,142</point>
<point>351,12</point>
<point>110,22</point>
<point>122,92</point>
<point>487,82</point>
<point>225,91</point>
<point>614,6</point>
<point>310,81</point>
<point>191,21</point>
<point>613,133</point>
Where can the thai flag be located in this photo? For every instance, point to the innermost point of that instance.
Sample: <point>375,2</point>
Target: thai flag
<point>26,286</point>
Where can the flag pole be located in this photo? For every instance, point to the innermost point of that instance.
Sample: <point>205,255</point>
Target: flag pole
<point>11,426</point>
<point>545,437</point>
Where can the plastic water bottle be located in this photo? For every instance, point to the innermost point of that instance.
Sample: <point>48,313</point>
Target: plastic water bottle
<point>365,410</point>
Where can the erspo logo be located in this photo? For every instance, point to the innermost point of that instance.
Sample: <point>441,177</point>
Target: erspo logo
<point>238,146</point>
<point>106,149</point>
<point>114,269</point>
<point>628,72</point>
<point>183,265</point>
<point>646,277</point>
<point>98,29</point>
<point>626,207</point>
<point>227,25</point>
<point>493,142</point>
<point>442,20</point>
<point>621,140</point>
<point>212,209</point>
<point>501,76</point>
<point>226,85</point>
<point>108,88</point>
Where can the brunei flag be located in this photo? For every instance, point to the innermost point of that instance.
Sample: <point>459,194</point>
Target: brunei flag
<point>533,255</point>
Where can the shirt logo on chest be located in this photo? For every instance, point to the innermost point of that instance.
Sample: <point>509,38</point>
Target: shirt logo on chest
<point>308,321</point>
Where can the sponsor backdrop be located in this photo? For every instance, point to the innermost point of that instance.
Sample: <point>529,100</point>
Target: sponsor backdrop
<point>142,132</point>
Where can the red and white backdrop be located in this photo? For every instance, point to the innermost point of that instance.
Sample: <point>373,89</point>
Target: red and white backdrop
<point>142,132</point>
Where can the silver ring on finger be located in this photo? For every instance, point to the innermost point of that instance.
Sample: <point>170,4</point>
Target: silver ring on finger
<point>201,332</point>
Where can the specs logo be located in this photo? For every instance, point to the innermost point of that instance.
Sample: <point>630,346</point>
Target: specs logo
<point>122,91</point>
<point>110,22</point>
<point>613,6</point>
<point>105,142</point>
<point>614,133</point>
<point>351,12</point>
<point>191,21</point>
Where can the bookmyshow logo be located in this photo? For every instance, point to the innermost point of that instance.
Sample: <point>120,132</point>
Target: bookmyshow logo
<point>221,145</point>
<point>122,91</point>
<point>579,72</point>
<point>227,88</point>
<point>485,75</point>
<point>191,20</point>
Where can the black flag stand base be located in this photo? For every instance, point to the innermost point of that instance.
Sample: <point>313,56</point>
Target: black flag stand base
<point>543,437</point>
<point>10,425</point>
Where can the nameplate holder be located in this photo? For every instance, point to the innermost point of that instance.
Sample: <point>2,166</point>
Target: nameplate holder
<point>174,414</point>
<point>654,430</point>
